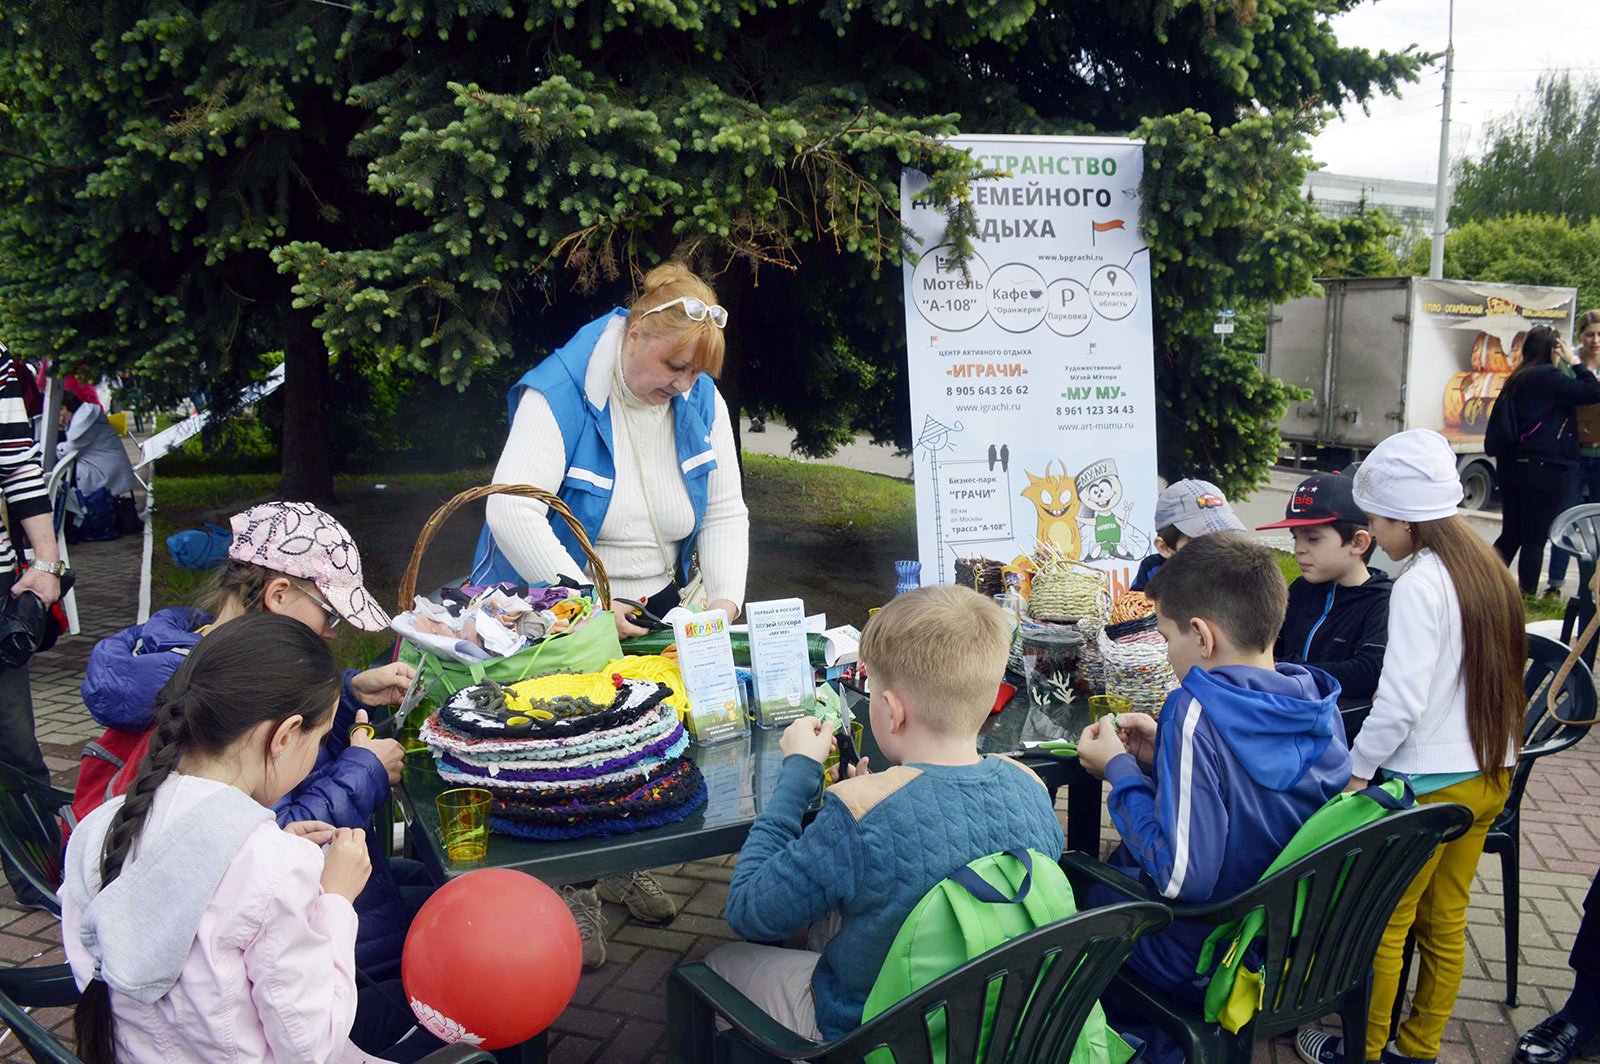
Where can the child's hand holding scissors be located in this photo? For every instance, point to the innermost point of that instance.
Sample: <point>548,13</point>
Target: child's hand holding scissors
<point>1098,744</point>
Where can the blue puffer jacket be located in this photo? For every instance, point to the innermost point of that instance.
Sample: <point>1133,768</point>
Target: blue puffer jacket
<point>345,788</point>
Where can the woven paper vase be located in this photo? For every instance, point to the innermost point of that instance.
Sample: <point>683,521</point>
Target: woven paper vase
<point>1138,670</point>
<point>1091,663</point>
<point>984,575</point>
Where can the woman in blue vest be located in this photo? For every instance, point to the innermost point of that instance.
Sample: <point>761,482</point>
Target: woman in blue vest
<point>625,424</point>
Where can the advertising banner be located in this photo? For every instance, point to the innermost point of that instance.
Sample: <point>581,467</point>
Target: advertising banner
<point>1032,374</point>
<point>1468,340</point>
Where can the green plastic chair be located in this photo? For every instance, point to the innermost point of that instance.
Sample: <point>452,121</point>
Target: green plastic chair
<point>30,832</point>
<point>1087,949</point>
<point>1353,885</point>
<point>41,1045</point>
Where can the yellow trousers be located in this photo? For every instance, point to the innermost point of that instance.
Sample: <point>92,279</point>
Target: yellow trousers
<point>1435,907</point>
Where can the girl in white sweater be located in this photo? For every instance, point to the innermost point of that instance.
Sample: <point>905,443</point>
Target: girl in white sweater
<point>1447,713</point>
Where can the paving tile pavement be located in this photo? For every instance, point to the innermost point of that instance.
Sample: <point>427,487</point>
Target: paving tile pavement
<point>618,1015</point>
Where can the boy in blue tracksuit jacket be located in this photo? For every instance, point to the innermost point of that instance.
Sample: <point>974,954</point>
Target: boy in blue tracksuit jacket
<point>1244,753</point>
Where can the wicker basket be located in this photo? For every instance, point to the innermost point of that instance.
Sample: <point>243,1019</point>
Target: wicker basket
<point>1066,597</point>
<point>584,650</point>
<point>408,582</point>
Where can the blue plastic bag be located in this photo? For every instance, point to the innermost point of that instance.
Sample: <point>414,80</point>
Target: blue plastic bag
<point>199,549</point>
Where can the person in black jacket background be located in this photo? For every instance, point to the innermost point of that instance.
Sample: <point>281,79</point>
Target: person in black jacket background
<point>1338,615</point>
<point>1544,443</point>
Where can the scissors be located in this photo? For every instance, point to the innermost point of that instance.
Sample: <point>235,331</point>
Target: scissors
<point>848,754</point>
<point>652,622</point>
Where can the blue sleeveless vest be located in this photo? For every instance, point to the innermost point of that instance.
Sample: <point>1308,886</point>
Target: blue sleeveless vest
<point>591,463</point>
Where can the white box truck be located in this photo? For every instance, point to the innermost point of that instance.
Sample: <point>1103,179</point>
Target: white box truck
<point>1384,354</point>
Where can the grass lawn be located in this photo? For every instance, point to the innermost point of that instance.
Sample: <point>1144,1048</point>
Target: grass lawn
<point>851,503</point>
<point>1535,607</point>
<point>825,534</point>
<point>1543,609</point>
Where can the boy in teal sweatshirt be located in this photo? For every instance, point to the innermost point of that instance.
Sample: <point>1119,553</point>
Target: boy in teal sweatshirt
<point>935,658</point>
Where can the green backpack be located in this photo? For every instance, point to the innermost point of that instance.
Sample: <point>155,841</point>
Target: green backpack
<point>979,907</point>
<point>1236,993</point>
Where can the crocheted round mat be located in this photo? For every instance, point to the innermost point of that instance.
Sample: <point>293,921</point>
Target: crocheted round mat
<point>663,798</point>
<point>509,773</point>
<point>495,753</point>
<point>483,712</point>
<point>555,781</point>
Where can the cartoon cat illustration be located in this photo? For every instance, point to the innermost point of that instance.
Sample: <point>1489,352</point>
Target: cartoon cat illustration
<point>1055,496</point>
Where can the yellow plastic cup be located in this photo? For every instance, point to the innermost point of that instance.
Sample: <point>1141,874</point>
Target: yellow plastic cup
<point>1100,705</point>
<point>831,762</point>
<point>464,823</point>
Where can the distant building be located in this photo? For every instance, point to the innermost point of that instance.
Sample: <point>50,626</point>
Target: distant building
<point>1409,202</point>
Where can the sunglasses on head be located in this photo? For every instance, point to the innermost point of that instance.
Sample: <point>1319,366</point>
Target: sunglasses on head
<point>695,309</point>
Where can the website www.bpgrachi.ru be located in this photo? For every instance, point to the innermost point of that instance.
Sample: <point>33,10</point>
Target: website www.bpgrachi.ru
<point>987,408</point>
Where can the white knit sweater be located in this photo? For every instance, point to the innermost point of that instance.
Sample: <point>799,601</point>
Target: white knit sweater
<point>1419,714</point>
<point>535,454</point>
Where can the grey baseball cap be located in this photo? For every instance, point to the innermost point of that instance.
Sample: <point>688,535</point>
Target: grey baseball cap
<point>1196,507</point>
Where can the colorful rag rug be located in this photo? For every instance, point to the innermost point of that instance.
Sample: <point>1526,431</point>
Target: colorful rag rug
<point>491,712</point>
<point>657,722</point>
<point>536,776</point>
<point>669,794</point>
<point>561,764</point>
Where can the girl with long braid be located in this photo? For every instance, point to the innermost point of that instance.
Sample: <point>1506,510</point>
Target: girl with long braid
<point>197,928</point>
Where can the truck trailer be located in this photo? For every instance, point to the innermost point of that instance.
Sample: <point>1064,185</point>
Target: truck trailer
<point>1384,354</point>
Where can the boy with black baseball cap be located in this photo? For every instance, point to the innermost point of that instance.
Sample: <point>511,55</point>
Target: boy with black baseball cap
<point>1338,616</point>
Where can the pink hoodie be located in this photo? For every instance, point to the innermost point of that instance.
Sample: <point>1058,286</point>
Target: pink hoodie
<point>270,975</point>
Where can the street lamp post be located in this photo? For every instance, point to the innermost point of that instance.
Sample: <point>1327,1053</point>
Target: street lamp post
<point>1441,192</point>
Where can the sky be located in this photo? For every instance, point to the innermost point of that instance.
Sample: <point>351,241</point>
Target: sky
<point>1501,48</point>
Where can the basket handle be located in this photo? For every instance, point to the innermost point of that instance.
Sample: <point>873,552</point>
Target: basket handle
<point>408,582</point>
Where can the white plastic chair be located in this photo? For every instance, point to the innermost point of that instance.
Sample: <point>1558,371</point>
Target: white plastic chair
<point>56,484</point>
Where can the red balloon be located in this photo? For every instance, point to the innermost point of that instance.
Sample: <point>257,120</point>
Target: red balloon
<point>491,959</point>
